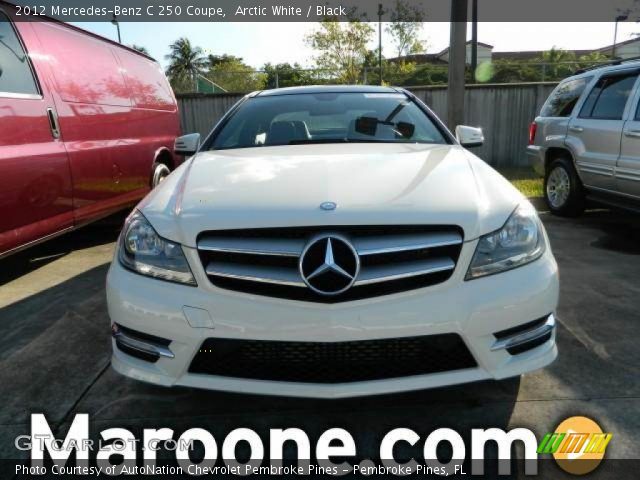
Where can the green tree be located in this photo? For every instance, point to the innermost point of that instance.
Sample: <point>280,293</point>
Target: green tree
<point>505,71</point>
<point>341,46</point>
<point>393,73</point>
<point>405,28</point>
<point>287,75</point>
<point>141,49</point>
<point>557,64</point>
<point>233,75</point>
<point>185,63</point>
<point>215,60</point>
<point>371,69</point>
<point>591,59</point>
<point>427,74</point>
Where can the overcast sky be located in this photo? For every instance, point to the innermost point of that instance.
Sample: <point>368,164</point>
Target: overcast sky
<point>259,43</point>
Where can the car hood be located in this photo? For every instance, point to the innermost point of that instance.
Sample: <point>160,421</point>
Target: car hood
<point>372,184</point>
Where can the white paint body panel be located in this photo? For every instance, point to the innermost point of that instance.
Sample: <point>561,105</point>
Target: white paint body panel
<point>371,184</point>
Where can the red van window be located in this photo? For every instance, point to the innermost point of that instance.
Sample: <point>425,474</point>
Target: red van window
<point>15,71</point>
<point>147,84</point>
<point>85,69</point>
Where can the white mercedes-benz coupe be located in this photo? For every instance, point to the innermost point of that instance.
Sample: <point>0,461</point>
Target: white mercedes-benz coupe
<point>332,242</point>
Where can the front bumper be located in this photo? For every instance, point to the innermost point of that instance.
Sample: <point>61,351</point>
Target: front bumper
<point>475,310</point>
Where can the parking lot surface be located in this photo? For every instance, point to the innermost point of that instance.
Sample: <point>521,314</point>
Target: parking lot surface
<point>55,350</point>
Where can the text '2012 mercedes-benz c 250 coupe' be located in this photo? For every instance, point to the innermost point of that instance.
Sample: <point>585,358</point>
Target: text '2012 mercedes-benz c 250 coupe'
<point>332,242</point>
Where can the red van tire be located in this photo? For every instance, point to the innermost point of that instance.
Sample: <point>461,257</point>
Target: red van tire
<point>159,172</point>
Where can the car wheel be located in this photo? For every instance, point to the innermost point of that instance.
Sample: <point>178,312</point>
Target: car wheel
<point>563,189</point>
<point>160,172</point>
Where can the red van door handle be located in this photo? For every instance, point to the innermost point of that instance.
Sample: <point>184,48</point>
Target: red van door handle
<point>53,122</point>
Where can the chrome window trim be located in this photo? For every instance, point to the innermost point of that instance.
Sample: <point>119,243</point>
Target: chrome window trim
<point>23,96</point>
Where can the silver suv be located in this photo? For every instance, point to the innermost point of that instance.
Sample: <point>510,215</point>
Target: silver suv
<point>586,141</point>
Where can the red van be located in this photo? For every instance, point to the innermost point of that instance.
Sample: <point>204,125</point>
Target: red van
<point>86,128</point>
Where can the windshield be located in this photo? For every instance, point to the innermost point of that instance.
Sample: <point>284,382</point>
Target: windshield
<point>327,118</point>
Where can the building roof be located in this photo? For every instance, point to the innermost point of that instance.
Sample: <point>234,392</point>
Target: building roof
<point>480,44</point>
<point>419,58</point>
<point>618,44</point>
<point>436,58</point>
<point>532,54</point>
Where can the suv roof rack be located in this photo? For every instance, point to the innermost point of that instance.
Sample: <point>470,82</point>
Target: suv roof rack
<point>620,61</point>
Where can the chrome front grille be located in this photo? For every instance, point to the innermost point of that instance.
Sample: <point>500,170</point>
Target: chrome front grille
<point>392,259</point>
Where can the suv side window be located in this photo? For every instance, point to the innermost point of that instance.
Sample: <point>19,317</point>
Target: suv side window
<point>564,98</point>
<point>609,97</point>
<point>15,71</point>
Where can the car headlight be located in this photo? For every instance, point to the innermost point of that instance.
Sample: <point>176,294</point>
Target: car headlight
<point>520,241</point>
<point>142,250</point>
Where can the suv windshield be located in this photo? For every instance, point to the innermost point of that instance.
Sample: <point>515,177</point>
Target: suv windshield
<point>327,118</point>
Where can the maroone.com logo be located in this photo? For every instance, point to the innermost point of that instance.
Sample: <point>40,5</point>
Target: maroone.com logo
<point>577,443</point>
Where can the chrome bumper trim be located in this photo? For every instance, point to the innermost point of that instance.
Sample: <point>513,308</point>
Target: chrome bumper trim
<point>141,346</point>
<point>526,336</point>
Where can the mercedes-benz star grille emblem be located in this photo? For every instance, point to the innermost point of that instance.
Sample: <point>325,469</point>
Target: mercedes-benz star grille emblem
<point>329,265</point>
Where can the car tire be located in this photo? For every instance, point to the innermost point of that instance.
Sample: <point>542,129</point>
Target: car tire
<point>563,191</point>
<point>159,172</point>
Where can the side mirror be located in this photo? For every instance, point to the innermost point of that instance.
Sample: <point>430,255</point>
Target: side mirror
<point>187,145</point>
<point>469,136</point>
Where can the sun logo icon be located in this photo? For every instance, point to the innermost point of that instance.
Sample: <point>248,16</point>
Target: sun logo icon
<point>578,445</point>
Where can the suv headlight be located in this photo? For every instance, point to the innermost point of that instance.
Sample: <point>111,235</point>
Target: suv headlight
<point>142,250</point>
<point>520,241</point>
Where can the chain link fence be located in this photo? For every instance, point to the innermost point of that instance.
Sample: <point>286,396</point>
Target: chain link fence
<point>407,75</point>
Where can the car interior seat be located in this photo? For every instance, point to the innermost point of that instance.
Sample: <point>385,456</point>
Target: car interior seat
<point>285,132</point>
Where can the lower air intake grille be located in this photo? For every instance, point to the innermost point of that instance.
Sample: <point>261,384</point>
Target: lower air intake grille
<point>332,362</point>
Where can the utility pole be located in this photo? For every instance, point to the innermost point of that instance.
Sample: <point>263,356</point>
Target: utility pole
<point>115,22</point>
<point>619,18</point>
<point>474,39</point>
<point>380,13</point>
<point>457,63</point>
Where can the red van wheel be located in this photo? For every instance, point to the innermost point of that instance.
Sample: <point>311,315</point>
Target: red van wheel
<point>160,172</point>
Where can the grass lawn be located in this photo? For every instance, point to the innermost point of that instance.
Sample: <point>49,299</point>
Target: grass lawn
<point>524,179</point>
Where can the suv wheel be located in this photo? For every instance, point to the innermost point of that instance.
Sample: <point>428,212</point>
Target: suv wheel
<point>159,172</point>
<point>563,189</point>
